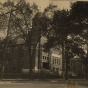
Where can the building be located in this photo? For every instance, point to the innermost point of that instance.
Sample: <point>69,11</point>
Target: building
<point>76,66</point>
<point>18,60</point>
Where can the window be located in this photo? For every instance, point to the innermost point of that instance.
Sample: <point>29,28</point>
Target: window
<point>24,48</point>
<point>47,58</point>
<point>43,57</point>
<point>53,68</point>
<point>77,64</point>
<point>53,60</point>
<point>56,69</point>
<point>59,62</point>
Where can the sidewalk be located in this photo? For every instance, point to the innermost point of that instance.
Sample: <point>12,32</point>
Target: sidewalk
<point>44,80</point>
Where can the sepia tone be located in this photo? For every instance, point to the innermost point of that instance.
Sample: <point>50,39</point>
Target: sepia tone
<point>43,44</point>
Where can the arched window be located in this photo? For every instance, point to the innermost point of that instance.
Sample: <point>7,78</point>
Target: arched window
<point>77,64</point>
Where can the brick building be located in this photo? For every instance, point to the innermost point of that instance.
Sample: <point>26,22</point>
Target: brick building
<point>76,66</point>
<point>17,59</point>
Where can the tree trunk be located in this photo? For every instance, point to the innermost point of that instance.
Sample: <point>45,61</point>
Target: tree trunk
<point>63,59</point>
<point>28,42</point>
<point>39,53</point>
<point>66,57</point>
<point>86,73</point>
<point>5,47</point>
<point>30,59</point>
<point>31,54</point>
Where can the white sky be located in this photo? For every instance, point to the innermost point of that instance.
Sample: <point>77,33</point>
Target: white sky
<point>44,3</point>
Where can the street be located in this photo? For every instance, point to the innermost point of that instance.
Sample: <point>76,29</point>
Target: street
<point>36,84</point>
<point>32,85</point>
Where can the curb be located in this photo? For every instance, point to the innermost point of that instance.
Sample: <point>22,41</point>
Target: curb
<point>5,82</point>
<point>36,80</point>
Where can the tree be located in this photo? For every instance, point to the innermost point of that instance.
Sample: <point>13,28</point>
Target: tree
<point>22,24</point>
<point>79,17</point>
<point>19,23</point>
<point>62,35</point>
<point>57,35</point>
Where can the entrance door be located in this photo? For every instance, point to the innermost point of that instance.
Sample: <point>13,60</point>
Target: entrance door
<point>45,65</point>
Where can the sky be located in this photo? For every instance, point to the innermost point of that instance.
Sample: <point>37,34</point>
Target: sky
<point>44,3</point>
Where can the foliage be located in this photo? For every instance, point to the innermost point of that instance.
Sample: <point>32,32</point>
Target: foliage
<point>19,24</point>
<point>79,16</point>
<point>79,10</point>
<point>51,8</point>
<point>40,22</point>
<point>63,27</point>
<point>79,20</point>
